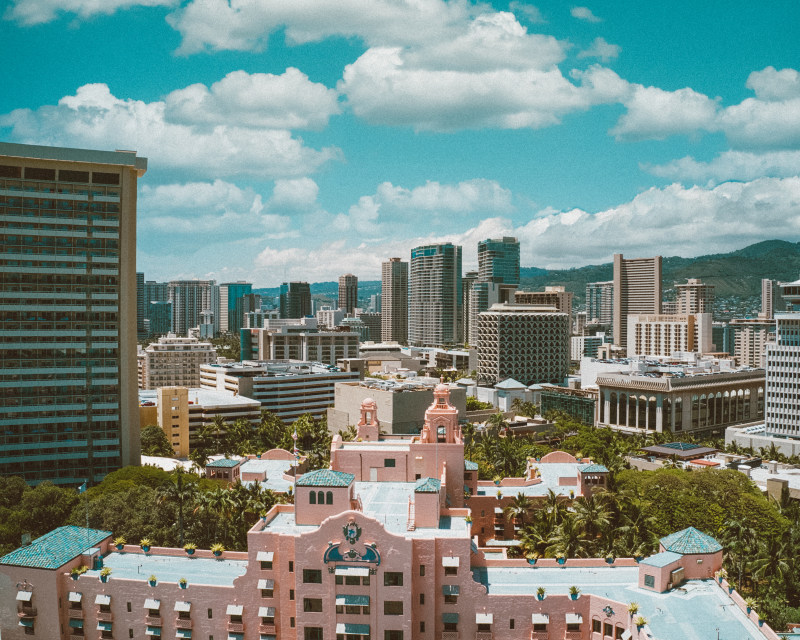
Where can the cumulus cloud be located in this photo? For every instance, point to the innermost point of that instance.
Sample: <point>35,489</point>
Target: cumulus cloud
<point>585,14</point>
<point>771,84</point>
<point>262,100</point>
<point>298,194</point>
<point>32,12</point>
<point>246,25</point>
<point>95,118</point>
<point>730,165</point>
<point>529,11</point>
<point>602,50</point>
<point>495,75</point>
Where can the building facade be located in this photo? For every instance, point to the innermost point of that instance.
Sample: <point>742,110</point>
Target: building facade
<point>373,321</point>
<point>295,300</point>
<point>435,312</point>
<point>174,362</point>
<point>528,343</point>
<point>637,290</point>
<point>231,318</point>
<point>394,301</point>
<point>782,363</point>
<point>600,303</point>
<point>498,260</point>
<point>557,297</point>
<point>348,293</point>
<point>190,300</point>
<point>664,335</point>
<point>694,297</point>
<point>298,343</point>
<point>750,338</point>
<point>68,312</point>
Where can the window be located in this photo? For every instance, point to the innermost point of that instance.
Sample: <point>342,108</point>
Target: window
<point>210,614</point>
<point>574,626</point>
<point>618,633</point>
<point>291,566</point>
<point>451,626</point>
<point>266,565</point>
<point>511,625</point>
<point>129,607</point>
<point>392,635</point>
<point>649,581</point>
<point>321,497</point>
<point>393,579</point>
<point>393,608</point>
<point>312,605</point>
<point>608,629</point>
<point>422,569</point>
<point>450,599</point>
<point>329,497</point>
<point>313,576</point>
<point>291,594</point>
<point>596,626</point>
<point>422,598</point>
<point>451,571</point>
<point>312,633</point>
<point>267,593</point>
<point>389,462</point>
<point>130,633</point>
<point>291,622</point>
<point>312,498</point>
<point>539,626</point>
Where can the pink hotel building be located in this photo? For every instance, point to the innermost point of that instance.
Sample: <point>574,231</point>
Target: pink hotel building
<point>380,546</point>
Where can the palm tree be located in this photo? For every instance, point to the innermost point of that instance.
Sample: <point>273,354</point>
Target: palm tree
<point>518,508</point>
<point>179,492</point>
<point>553,509</point>
<point>568,539</point>
<point>495,424</point>
<point>592,515</point>
<point>739,539</point>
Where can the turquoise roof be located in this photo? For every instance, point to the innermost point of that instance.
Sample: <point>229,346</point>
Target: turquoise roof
<point>55,549</point>
<point>661,559</point>
<point>690,541</point>
<point>469,465</point>
<point>427,485</point>
<point>593,468</point>
<point>224,463</point>
<point>325,478</point>
<point>510,383</point>
<point>681,446</point>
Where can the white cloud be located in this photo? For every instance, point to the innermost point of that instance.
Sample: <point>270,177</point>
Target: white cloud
<point>761,123</point>
<point>731,165</point>
<point>770,84</point>
<point>655,113</point>
<point>531,13</point>
<point>585,14</point>
<point>298,194</point>
<point>261,100</point>
<point>31,12</point>
<point>245,25</point>
<point>601,49</point>
<point>95,118</point>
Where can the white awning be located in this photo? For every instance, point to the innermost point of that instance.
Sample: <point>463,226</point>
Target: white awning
<point>266,584</point>
<point>626,635</point>
<point>102,598</point>
<point>540,618</point>
<point>153,631</point>
<point>266,612</point>
<point>24,596</point>
<point>450,561</point>
<point>352,601</point>
<point>75,596</point>
<point>152,603</point>
<point>234,610</point>
<point>183,606</point>
<point>484,618</point>
<point>265,556</point>
<point>352,629</point>
<point>574,618</point>
<point>104,626</point>
<point>352,571</point>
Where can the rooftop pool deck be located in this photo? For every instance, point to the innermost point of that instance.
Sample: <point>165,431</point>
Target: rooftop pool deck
<point>694,611</point>
<point>549,473</point>
<point>138,566</point>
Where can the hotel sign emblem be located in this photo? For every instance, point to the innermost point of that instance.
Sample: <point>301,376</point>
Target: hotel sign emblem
<point>352,532</point>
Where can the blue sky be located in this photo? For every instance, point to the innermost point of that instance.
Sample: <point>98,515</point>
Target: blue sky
<point>307,139</point>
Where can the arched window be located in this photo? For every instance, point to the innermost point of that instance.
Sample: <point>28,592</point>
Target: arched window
<point>312,498</point>
<point>320,497</point>
<point>613,409</point>
<point>329,498</point>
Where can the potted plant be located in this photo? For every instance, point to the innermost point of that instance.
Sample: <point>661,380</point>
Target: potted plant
<point>75,573</point>
<point>145,544</point>
<point>574,592</point>
<point>182,583</point>
<point>217,549</point>
<point>189,548</point>
<point>263,516</point>
<point>532,557</point>
<point>721,575</point>
<point>540,593</point>
<point>104,573</point>
<point>571,494</point>
<point>633,608</point>
<point>152,580</point>
<point>119,542</point>
<point>750,603</point>
<point>640,622</point>
<point>731,586</point>
<point>610,559</point>
<point>561,558</point>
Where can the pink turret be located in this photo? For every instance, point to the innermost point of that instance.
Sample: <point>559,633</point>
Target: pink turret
<point>368,428</point>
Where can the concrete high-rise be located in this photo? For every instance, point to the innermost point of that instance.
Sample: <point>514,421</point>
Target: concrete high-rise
<point>348,293</point>
<point>295,300</point>
<point>557,297</point>
<point>190,298</point>
<point>498,260</point>
<point>435,311</point>
<point>771,300</point>
<point>230,320</point>
<point>600,303</point>
<point>637,290</point>
<point>141,306</point>
<point>782,393</point>
<point>394,301</point>
<point>495,282</point>
<point>695,297</point>
<point>68,312</point>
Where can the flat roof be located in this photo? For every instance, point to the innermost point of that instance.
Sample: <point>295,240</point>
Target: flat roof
<point>55,549</point>
<point>41,152</point>
<point>204,398</point>
<point>140,566</point>
<point>274,470</point>
<point>550,472</point>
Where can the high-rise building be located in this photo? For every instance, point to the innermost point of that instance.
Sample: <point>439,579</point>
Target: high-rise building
<point>600,303</point>
<point>637,289</point>
<point>467,280</point>
<point>483,296</point>
<point>394,301</point>
<point>372,321</point>
<point>173,361</point>
<point>435,312</point>
<point>695,297</point>
<point>498,260</point>
<point>771,300</point>
<point>141,313</point>
<point>750,338</point>
<point>663,335</point>
<point>529,343</point>
<point>159,318</point>
<point>230,320</point>
<point>557,297</point>
<point>190,298</point>
<point>782,394</point>
<point>295,300</point>
<point>68,312</point>
<point>348,293</point>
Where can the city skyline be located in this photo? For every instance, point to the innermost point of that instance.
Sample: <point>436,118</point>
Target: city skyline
<point>654,131</point>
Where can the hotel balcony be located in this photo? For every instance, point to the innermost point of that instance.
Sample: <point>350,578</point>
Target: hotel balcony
<point>484,635</point>
<point>183,623</point>
<point>450,635</point>
<point>75,614</point>
<point>539,635</point>
<point>153,621</point>
<point>27,611</point>
<point>266,628</point>
<point>105,616</point>
<point>236,627</point>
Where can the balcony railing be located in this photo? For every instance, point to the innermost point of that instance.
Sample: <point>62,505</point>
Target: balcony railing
<point>27,611</point>
<point>236,627</point>
<point>153,621</point>
<point>75,614</point>
<point>266,628</point>
<point>105,616</point>
<point>483,635</point>
<point>573,635</point>
<point>183,623</point>
<point>539,635</point>
<point>449,635</point>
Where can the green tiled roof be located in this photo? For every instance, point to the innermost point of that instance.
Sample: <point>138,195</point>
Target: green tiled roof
<point>681,446</point>
<point>224,463</point>
<point>469,465</point>
<point>594,468</point>
<point>55,549</point>
<point>428,485</point>
<point>690,541</point>
<point>325,478</point>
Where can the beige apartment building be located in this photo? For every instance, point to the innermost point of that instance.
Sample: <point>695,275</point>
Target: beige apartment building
<point>750,338</point>
<point>663,335</point>
<point>637,290</point>
<point>694,297</point>
<point>557,297</point>
<point>174,361</point>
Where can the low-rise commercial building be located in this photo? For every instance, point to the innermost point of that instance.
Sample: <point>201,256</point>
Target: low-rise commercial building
<point>298,342</point>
